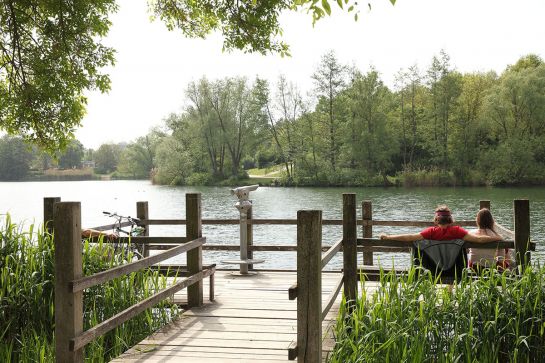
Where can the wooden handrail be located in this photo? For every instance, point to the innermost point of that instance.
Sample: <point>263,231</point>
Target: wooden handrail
<point>285,221</point>
<point>104,276</point>
<point>89,335</point>
<point>331,252</point>
<point>332,296</point>
<point>108,227</point>
<point>142,240</point>
<point>375,242</point>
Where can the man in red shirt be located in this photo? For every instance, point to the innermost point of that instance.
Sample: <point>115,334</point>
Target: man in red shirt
<point>442,231</point>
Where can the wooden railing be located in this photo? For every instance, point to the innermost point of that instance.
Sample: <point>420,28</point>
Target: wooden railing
<point>70,338</point>
<point>310,261</point>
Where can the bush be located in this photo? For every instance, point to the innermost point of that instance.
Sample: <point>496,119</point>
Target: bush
<point>200,179</point>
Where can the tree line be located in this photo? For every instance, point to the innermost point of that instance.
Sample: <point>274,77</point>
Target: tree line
<point>435,126</point>
<point>134,160</point>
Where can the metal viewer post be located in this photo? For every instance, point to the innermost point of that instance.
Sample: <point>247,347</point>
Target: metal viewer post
<point>244,205</point>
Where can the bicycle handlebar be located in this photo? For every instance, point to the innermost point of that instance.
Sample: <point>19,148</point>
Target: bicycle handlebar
<point>128,218</point>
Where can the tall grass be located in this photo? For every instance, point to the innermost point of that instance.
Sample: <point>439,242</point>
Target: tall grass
<point>27,298</point>
<point>494,318</point>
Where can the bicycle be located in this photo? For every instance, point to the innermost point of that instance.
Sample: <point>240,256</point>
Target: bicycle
<point>134,231</point>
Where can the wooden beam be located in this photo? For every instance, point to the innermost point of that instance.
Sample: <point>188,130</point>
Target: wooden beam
<point>331,252</point>
<point>280,221</point>
<point>147,240</point>
<point>142,213</point>
<point>375,242</point>
<point>104,276</point>
<point>84,338</point>
<point>68,267</point>
<point>333,296</point>
<point>522,231</point>
<point>350,255</point>
<point>49,213</point>
<point>109,227</point>
<point>309,286</point>
<point>484,204</point>
<point>367,218</point>
<point>193,215</point>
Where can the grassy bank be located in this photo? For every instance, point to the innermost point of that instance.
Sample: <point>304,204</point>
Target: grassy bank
<point>27,298</point>
<point>496,318</point>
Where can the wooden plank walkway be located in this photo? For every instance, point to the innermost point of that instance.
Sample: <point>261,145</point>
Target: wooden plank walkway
<point>251,320</point>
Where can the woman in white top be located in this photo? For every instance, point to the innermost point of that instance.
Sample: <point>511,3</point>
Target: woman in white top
<point>481,257</point>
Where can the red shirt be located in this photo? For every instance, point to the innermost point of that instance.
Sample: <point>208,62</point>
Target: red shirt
<point>442,234</point>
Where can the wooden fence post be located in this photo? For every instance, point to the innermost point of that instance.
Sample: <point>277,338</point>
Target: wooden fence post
<point>367,216</point>
<point>68,267</point>
<point>350,257</point>
<point>194,257</point>
<point>484,204</point>
<point>522,231</point>
<point>309,286</point>
<point>49,212</point>
<point>142,213</point>
<point>250,236</point>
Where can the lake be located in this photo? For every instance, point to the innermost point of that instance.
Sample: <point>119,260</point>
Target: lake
<point>24,202</point>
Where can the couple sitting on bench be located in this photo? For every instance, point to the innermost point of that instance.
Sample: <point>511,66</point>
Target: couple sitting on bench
<point>440,248</point>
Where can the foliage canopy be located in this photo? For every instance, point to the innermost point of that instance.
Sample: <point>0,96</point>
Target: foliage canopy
<point>51,51</point>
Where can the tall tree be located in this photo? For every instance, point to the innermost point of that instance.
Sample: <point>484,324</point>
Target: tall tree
<point>372,105</point>
<point>71,157</point>
<point>329,80</point>
<point>15,158</point>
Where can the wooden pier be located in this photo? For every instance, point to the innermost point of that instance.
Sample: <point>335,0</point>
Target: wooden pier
<point>263,316</point>
<point>251,320</point>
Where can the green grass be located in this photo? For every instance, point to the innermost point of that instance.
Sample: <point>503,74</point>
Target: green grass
<point>27,298</point>
<point>274,171</point>
<point>496,318</point>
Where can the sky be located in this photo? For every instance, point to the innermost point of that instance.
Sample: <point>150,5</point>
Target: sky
<point>153,66</point>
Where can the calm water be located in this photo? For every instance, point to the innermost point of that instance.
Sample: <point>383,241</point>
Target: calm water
<point>24,203</point>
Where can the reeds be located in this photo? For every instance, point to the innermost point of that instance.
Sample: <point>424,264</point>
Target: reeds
<point>27,298</point>
<point>496,317</point>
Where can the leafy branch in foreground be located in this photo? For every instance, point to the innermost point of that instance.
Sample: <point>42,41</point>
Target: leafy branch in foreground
<point>50,55</point>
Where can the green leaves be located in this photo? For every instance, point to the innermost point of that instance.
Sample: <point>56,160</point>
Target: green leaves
<point>327,8</point>
<point>51,55</point>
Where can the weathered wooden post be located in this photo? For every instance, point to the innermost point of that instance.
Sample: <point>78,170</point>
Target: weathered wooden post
<point>244,206</point>
<point>194,257</point>
<point>309,286</point>
<point>142,213</point>
<point>522,232</point>
<point>49,212</point>
<point>350,257</point>
<point>484,204</point>
<point>367,216</point>
<point>250,237</point>
<point>68,267</point>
